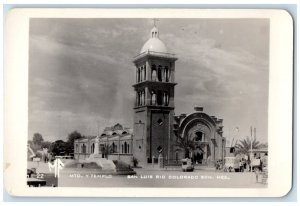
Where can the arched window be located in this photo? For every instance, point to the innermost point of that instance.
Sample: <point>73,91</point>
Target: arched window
<point>128,148</point>
<point>137,74</point>
<point>166,74</point>
<point>114,148</point>
<point>92,148</point>
<point>125,147</point>
<point>153,73</point>
<point>141,98</point>
<point>159,98</point>
<point>153,98</point>
<point>83,149</point>
<point>199,136</point>
<point>166,98</point>
<point>144,72</point>
<point>144,98</point>
<point>159,73</point>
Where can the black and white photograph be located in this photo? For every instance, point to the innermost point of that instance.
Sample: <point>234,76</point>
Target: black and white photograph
<point>159,101</point>
<point>148,102</point>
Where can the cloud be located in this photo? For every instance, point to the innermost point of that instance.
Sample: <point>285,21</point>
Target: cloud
<point>81,71</point>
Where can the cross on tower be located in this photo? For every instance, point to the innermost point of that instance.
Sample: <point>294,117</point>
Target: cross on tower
<point>154,21</point>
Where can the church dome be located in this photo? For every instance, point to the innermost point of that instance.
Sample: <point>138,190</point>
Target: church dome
<point>154,44</point>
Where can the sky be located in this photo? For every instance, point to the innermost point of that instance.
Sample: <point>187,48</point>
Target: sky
<point>81,72</point>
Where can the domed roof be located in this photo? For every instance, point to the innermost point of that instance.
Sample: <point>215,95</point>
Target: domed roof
<point>154,43</point>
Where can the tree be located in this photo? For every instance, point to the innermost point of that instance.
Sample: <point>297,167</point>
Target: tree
<point>244,146</point>
<point>186,144</point>
<point>70,142</point>
<point>73,136</point>
<point>46,144</point>
<point>37,139</point>
<point>58,147</point>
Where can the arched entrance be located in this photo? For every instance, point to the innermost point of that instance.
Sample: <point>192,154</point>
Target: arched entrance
<point>198,157</point>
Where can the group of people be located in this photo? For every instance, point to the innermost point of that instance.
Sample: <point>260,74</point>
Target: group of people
<point>243,164</point>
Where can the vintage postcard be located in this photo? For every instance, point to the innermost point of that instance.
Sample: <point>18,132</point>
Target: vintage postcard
<point>143,102</point>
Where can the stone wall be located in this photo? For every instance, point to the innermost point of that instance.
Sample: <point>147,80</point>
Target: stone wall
<point>127,158</point>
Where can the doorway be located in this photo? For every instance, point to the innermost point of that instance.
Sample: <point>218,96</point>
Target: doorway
<point>198,157</point>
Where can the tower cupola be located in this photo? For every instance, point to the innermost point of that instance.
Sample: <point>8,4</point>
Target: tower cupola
<point>154,44</point>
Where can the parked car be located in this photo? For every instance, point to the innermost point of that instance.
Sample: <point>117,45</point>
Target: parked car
<point>187,165</point>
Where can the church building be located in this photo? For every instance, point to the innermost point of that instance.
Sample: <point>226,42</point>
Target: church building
<point>156,130</point>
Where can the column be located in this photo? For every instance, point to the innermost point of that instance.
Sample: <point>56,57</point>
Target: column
<point>205,154</point>
<point>136,75</point>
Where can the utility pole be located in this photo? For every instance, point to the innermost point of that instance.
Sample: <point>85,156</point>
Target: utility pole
<point>251,155</point>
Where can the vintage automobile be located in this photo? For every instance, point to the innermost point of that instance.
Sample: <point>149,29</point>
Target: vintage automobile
<point>187,165</point>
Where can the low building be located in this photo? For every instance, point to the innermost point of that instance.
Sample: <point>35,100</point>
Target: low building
<point>115,143</point>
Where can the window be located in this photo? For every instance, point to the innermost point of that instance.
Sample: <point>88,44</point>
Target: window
<point>159,73</point>
<point>125,147</point>
<point>83,149</point>
<point>142,74</point>
<point>159,98</point>
<point>122,148</point>
<point>153,98</point>
<point>165,98</point>
<point>128,148</point>
<point>160,122</point>
<point>76,148</point>
<point>167,74</point>
<point>144,97</point>
<point>114,148</point>
<point>153,73</point>
<point>142,102</point>
<point>92,148</point>
<point>139,98</point>
<point>199,136</point>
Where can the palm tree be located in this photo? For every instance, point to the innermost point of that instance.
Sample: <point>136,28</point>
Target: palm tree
<point>244,146</point>
<point>186,144</point>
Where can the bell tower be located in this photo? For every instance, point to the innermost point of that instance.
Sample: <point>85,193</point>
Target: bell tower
<point>154,105</point>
